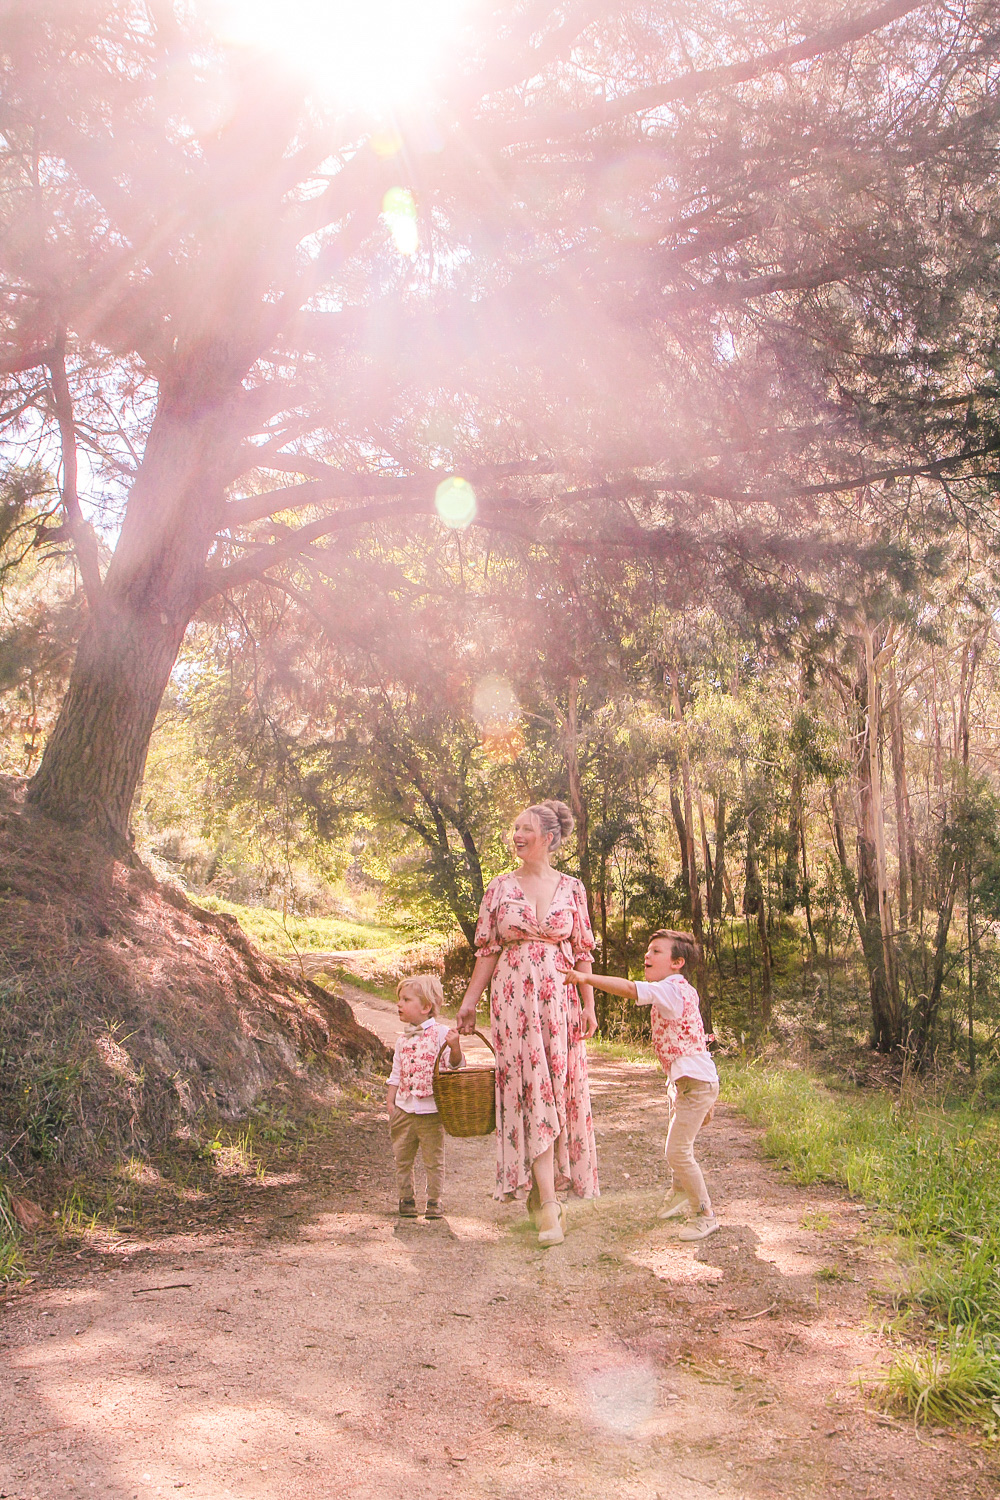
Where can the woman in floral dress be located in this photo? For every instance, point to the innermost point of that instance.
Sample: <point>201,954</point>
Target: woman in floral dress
<point>534,926</point>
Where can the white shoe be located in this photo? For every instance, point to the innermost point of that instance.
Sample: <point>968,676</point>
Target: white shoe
<point>700,1227</point>
<point>676,1205</point>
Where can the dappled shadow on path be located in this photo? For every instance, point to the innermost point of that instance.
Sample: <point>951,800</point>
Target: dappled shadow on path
<point>366,1356</point>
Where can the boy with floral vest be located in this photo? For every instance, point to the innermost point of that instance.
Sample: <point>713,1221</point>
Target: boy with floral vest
<point>680,1044</point>
<point>414,1123</point>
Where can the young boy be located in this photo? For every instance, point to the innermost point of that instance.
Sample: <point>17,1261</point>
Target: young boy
<point>414,1123</point>
<point>679,1040</point>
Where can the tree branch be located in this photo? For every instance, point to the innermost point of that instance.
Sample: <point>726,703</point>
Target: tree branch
<point>689,85</point>
<point>79,530</point>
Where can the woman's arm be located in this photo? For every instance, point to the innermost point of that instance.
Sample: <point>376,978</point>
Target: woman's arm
<point>581,976</point>
<point>481,976</point>
<point>624,988</point>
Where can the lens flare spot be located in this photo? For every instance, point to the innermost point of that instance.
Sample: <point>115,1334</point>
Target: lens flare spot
<point>387,142</point>
<point>455,502</point>
<point>622,1398</point>
<point>399,210</point>
<point>494,702</point>
<point>498,713</point>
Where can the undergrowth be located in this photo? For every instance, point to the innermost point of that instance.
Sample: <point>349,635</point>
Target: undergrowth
<point>933,1174</point>
<point>283,935</point>
<point>11,1264</point>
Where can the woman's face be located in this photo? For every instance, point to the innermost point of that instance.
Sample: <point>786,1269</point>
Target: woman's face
<point>530,843</point>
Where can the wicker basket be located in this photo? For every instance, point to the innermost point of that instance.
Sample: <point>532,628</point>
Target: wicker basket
<point>466,1098</point>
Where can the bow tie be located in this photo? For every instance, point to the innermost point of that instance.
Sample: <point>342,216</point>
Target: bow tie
<point>412,1030</point>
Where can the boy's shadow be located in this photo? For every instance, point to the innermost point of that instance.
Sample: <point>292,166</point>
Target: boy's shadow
<point>736,1250</point>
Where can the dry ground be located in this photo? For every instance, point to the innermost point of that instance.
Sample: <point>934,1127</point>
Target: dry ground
<point>319,1348</point>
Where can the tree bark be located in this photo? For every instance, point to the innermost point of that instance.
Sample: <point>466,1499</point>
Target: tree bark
<point>577,799</point>
<point>96,754</point>
<point>903,835</point>
<point>719,882</point>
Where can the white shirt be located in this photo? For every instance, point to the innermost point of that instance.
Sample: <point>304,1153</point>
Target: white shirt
<point>417,1106</point>
<point>668,998</point>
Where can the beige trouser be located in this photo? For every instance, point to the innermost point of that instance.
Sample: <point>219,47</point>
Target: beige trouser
<point>408,1134</point>
<point>692,1099</point>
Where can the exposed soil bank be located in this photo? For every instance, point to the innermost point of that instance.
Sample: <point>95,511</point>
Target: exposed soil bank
<point>126,1011</point>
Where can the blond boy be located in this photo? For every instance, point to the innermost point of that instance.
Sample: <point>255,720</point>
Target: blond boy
<point>414,1123</point>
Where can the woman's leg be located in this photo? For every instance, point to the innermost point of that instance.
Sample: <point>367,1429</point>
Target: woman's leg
<point>543,1171</point>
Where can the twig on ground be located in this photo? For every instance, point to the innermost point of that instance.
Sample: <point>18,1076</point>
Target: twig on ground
<point>749,1317</point>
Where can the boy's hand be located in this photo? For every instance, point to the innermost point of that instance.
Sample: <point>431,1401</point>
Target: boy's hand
<point>573,976</point>
<point>453,1039</point>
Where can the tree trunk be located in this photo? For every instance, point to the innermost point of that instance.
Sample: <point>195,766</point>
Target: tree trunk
<point>96,754</point>
<point>905,854</point>
<point>677,812</point>
<point>879,944</point>
<point>694,883</point>
<point>577,800</point>
<point>719,881</point>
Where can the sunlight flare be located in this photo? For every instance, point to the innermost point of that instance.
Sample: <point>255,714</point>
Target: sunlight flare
<point>372,57</point>
<point>454,498</point>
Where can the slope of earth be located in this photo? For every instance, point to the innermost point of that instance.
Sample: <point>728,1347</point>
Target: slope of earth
<point>322,1348</point>
<point>126,1011</point>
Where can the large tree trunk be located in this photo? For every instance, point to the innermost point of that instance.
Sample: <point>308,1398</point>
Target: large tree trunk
<point>96,753</point>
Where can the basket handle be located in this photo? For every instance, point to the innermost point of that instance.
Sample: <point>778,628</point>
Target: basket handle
<point>482,1037</point>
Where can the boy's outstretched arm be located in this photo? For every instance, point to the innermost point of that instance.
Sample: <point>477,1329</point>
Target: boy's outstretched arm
<point>607,982</point>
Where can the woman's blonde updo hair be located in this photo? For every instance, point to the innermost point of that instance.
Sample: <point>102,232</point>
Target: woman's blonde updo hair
<point>555,821</point>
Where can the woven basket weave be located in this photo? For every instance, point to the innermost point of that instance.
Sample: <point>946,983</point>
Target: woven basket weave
<point>466,1098</point>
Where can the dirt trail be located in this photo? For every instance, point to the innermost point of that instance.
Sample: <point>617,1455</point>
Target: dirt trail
<point>331,1351</point>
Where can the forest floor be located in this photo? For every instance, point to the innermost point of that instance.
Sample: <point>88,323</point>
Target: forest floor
<point>459,1360</point>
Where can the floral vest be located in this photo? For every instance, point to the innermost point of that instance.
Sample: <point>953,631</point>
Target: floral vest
<point>683,1037</point>
<point>416,1064</point>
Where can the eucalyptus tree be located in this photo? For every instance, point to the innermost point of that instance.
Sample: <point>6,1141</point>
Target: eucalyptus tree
<point>670,279</point>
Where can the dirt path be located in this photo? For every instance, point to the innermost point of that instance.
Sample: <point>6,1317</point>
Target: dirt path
<point>328,1350</point>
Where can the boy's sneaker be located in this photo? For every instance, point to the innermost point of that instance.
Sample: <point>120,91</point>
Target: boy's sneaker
<point>407,1208</point>
<point>676,1205</point>
<point>700,1227</point>
<point>434,1209</point>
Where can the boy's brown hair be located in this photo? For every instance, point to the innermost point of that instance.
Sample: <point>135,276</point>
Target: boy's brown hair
<point>682,945</point>
<point>426,988</point>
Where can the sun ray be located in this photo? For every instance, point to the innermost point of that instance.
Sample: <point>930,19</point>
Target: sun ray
<point>368,55</point>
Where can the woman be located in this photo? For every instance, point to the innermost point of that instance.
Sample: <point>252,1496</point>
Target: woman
<point>534,926</point>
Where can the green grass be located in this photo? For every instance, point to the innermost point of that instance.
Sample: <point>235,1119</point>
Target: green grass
<point>933,1173</point>
<point>11,1264</point>
<point>623,1051</point>
<point>276,934</point>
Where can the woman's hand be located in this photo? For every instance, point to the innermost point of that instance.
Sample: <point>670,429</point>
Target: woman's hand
<point>465,1021</point>
<point>589,1021</point>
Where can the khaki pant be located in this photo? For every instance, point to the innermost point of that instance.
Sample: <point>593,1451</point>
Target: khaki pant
<point>692,1099</point>
<point>408,1134</point>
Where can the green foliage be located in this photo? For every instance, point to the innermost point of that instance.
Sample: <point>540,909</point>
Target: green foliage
<point>933,1174</point>
<point>278,934</point>
<point>11,1264</point>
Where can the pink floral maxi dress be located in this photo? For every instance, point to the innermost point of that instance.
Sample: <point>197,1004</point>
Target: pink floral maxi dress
<point>543,1094</point>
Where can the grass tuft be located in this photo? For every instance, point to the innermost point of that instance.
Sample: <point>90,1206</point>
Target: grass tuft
<point>11,1264</point>
<point>933,1175</point>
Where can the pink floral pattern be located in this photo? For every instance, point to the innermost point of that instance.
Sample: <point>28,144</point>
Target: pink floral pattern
<point>416,1056</point>
<point>686,1035</point>
<point>543,1094</point>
